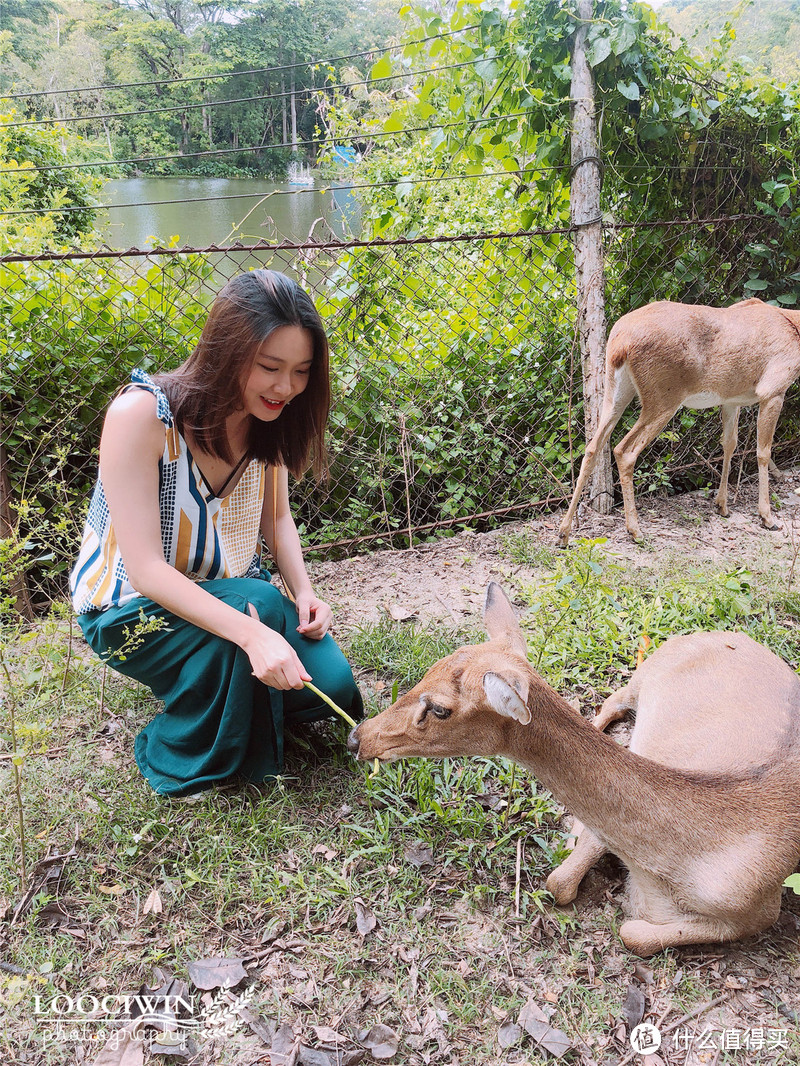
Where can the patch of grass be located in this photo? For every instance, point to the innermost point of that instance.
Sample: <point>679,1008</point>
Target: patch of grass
<point>523,547</point>
<point>585,625</point>
<point>272,874</point>
<point>403,651</point>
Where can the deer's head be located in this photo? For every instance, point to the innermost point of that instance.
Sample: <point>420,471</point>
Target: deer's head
<point>464,704</point>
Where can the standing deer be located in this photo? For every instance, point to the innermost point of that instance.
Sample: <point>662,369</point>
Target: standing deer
<point>675,355</point>
<point>704,809</point>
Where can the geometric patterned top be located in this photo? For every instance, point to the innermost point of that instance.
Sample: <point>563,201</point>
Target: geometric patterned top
<point>204,536</point>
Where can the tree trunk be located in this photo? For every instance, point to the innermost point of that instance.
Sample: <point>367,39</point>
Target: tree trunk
<point>294,108</point>
<point>585,215</point>
<point>284,110</point>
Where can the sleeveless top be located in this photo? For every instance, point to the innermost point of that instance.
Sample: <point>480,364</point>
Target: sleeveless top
<point>204,536</point>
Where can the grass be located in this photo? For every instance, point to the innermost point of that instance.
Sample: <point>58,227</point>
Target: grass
<point>429,849</point>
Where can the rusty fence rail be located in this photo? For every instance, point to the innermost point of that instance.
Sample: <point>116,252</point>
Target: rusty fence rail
<point>457,384</point>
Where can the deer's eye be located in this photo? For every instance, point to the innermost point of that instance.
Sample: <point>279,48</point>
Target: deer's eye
<point>440,712</point>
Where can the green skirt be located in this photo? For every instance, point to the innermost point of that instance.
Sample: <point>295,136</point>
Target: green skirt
<point>218,720</point>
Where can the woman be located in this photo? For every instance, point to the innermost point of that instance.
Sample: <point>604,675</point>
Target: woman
<point>193,472</point>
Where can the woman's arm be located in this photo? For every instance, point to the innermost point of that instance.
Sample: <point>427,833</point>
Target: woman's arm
<point>283,542</point>
<point>130,449</point>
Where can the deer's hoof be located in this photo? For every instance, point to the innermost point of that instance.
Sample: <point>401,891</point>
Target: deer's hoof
<point>769,524</point>
<point>642,938</point>
<point>562,889</point>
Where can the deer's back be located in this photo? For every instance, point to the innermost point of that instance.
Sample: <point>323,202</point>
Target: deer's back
<point>715,354</point>
<point>717,702</point>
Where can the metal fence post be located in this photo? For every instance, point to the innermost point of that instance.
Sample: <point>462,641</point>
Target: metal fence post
<point>586,217</point>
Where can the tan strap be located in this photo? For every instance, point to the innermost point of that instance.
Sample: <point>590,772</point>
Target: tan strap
<point>289,592</point>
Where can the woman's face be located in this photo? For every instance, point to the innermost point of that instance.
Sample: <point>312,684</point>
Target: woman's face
<point>280,372</point>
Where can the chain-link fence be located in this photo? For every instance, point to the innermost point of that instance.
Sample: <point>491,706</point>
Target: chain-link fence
<point>457,379</point>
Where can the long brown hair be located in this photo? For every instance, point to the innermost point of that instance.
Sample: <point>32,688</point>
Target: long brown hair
<point>207,387</point>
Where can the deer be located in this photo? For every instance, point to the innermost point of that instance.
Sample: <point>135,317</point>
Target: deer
<point>674,355</point>
<point>703,807</point>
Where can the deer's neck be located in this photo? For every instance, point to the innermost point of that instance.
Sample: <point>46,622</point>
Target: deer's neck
<point>627,800</point>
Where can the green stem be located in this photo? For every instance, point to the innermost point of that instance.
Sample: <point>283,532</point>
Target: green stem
<point>331,704</point>
<point>12,718</point>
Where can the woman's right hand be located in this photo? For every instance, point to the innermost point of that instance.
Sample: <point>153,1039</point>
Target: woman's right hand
<point>273,659</point>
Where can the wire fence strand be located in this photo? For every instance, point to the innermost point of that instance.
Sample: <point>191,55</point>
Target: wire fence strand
<point>456,392</point>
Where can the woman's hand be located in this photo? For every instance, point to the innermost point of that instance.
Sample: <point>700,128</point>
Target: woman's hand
<point>274,660</point>
<point>314,614</point>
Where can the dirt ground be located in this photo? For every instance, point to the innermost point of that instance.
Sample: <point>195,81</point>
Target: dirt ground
<point>447,579</point>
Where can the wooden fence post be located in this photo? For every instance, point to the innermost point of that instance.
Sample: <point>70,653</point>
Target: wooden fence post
<point>589,278</point>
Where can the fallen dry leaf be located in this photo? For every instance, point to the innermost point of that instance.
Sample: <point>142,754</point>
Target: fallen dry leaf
<point>365,919</point>
<point>285,1047</point>
<point>311,1056</point>
<point>633,1007</point>
<point>217,973</point>
<point>534,1021</point>
<point>509,1034</point>
<point>326,1035</point>
<point>124,1048</point>
<point>381,1041</point>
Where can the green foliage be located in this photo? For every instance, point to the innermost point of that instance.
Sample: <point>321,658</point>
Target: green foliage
<point>156,48</point>
<point>586,626</point>
<point>25,187</point>
<point>73,332</point>
<point>680,138</point>
<point>442,405</point>
<point>763,36</point>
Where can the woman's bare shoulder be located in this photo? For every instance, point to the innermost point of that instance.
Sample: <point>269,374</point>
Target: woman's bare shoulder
<point>133,414</point>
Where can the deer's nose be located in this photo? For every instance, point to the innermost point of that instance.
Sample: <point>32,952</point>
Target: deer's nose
<point>353,742</point>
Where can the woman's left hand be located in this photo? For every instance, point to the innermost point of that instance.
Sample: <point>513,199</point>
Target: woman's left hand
<point>315,615</point>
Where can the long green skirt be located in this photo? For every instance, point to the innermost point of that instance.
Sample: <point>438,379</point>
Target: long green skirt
<point>218,720</point>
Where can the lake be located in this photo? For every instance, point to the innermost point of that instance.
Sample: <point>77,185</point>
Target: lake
<point>146,212</point>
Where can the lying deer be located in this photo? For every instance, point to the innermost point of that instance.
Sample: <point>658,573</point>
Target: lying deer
<point>704,809</point>
<point>675,355</point>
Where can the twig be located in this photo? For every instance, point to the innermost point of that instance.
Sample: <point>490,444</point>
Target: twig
<point>103,688</point>
<point>15,758</point>
<point>68,663</point>
<point>517,885</point>
<point>28,754</point>
<point>698,1010</point>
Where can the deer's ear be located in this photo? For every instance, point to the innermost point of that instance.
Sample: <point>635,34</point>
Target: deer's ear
<point>507,696</point>
<point>500,620</point>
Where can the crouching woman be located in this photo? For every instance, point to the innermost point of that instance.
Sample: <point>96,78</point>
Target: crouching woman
<point>193,474</point>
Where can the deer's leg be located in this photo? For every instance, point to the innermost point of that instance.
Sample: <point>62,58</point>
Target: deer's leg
<point>626,453</point>
<point>768,413</point>
<point>730,429</point>
<point>564,881</point>
<point>646,938</point>
<point>619,393</point>
<point>616,706</point>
